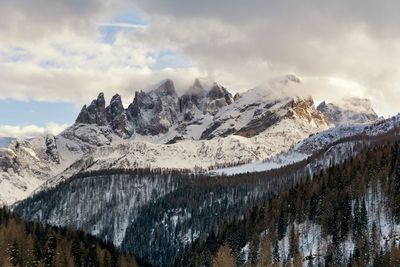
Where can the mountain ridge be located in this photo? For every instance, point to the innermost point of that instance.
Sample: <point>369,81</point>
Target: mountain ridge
<point>182,207</point>
<point>204,127</point>
<point>348,111</point>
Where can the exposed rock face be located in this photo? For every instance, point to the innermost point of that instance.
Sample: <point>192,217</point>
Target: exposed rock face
<point>115,109</point>
<point>259,124</point>
<point>268,115</point>
<point>218,97</point>
<point>155,112</point>
<point>94,113</point>
<point>348,111</point>
<point>193,101</point>
<point>261,108</point>
<point>113,115</point>
<point>202,100</point>
<point>305,109</point>
<point>8,160</point>
<point>51,149</point>
<point>117,118</point>
<point>208,110</point>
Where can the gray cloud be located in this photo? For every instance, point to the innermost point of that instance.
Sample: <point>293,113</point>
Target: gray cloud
<point>35,19</point>
<point>245,42</point>
<point>339,48</point>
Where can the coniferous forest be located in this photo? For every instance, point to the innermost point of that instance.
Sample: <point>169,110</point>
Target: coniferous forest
<point>25,244</point>
<point>346,215</point>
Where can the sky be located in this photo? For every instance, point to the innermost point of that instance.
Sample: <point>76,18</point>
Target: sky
<point>56,55</point>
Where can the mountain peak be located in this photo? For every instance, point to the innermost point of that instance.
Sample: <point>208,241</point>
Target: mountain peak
<point>165,87</point>
<point>286,79</point>
<point>94,113</point>
<point>348,111</point>
<point>115,97</point>
<point>101,103</point>
<point>208,110</point>
<point>197,83</point>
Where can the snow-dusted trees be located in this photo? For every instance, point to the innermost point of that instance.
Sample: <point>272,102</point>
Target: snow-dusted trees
<point>25,243</point>
<point>173,217</point>
<point>345,215</point>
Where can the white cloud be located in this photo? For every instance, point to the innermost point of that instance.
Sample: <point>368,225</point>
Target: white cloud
<point>247,43</point>
<point>69,67</point>
<point>52,50</point>
<point>123,25</point>
<point>31,130</point>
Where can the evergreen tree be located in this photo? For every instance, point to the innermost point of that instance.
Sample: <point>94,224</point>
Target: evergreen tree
<point>51,251</point>
<point>275,252</point>
<point>76,252</point>
<point>15,257</point>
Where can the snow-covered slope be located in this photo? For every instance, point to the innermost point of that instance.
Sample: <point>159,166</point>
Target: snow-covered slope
<point>204,127</point>
<point>27,164</point>
<point>348,111</point>
<point>341,138</point>
<point>190,154</point>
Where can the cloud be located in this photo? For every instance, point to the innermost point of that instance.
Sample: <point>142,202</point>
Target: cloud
<point>243,43</point>
<point>73,68</point>
<point>30,130</point>
<point>21,19</point>
<point>56,50</point>
<point>122,25</point>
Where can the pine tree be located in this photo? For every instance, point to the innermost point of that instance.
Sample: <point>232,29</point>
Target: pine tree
<point>91,258</point>
<point>293,242</point>
<point>15,257</point>
<point>76,252</point>
<point>224,258</point>
<point>51,251</point>
<point>310,260</point>
<point>266,258</point>
<point>275,252</point>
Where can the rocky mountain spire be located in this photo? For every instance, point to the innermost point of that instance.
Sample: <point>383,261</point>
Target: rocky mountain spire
<point>207,110</point>
<point>218,97</point>
<point>94,113</point>
<point>154,112</point>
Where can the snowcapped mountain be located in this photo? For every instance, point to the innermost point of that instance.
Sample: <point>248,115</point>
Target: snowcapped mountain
<point>204,127</point>
<point>157,214</point>
<point>27,164</point>
<point>339,141</point>
<point>158,110</point>
<point>348,111</point>
<point>205,111</point>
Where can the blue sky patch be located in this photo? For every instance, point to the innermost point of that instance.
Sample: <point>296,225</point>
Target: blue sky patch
<point>172,59</point>
<point>125,21</point>
<point>36,112</point>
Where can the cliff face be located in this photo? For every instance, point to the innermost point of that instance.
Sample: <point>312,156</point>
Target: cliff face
<point>205,111</point>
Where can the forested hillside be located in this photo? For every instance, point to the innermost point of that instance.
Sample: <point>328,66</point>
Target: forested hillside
<point>347,215</point>
<point>160,214</point>
<point>25,243</point>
